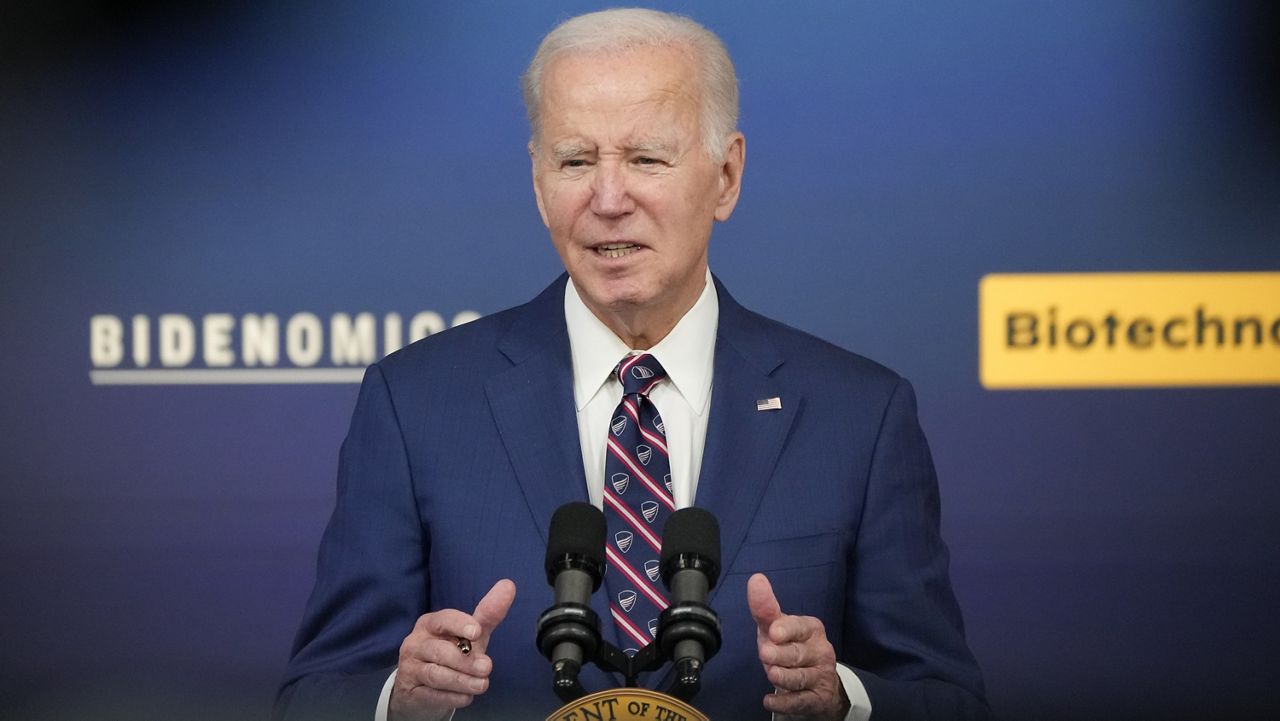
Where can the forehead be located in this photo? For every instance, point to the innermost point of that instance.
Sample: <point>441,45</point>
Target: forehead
<point>634,87</point>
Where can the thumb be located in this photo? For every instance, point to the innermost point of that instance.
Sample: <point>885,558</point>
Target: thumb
<point>493,608</point>
<point>762,602</point>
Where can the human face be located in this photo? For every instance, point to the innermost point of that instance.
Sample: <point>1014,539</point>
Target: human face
<point>626,187</point>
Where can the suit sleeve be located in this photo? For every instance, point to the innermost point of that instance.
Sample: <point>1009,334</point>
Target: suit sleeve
<point>903,633</point>
<point>371,581</point>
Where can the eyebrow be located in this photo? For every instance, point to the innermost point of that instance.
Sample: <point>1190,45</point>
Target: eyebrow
<point>652,146</point>
<point>566,151</point>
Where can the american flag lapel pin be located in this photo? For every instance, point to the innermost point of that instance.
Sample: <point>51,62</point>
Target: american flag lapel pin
<point>769,404</point>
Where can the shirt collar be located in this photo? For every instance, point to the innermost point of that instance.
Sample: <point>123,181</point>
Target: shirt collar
<point>687,353</point>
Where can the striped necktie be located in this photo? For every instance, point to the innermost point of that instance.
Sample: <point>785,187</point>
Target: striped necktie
<point>637,501</point>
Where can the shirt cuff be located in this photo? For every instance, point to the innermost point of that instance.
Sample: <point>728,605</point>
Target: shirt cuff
<point>384,700</point>
<point>859,703</point>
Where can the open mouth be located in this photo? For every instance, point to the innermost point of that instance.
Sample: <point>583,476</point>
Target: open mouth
<point>616,250</point>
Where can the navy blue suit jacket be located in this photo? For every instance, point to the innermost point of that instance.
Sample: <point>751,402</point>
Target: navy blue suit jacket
<point>463,445</point>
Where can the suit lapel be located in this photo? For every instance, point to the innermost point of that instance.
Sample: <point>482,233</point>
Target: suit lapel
<point>532,404</point>
<point>743,443</point>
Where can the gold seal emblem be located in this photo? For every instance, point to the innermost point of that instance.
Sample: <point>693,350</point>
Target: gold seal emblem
<point>627,704</point>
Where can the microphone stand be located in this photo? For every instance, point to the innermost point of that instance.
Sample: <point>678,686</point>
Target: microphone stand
<point>688,631</point>
<point>576,623</point>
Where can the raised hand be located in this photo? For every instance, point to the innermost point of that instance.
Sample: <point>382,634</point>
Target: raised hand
<point>797,657</point>
<point>434,676</point>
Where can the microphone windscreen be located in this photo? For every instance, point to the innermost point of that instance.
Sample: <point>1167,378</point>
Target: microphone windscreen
<point>577,529</point>
<point>691,531</point>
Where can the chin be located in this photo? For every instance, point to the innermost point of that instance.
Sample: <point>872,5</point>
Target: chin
<point>614,295</point>
<point>622,302</point>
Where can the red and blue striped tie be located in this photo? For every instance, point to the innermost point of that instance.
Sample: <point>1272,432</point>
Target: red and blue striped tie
<point>637,501</point>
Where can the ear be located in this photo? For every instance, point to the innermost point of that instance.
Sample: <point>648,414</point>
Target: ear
<point>537,190</point>
<point>735,157</point>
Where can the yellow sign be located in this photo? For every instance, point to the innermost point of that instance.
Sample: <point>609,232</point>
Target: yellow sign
<point>1091,330</point>
<point>627,704</point>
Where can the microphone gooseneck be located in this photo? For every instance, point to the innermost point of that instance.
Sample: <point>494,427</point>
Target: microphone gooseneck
<point>689,630</point>
<point>569,631</point>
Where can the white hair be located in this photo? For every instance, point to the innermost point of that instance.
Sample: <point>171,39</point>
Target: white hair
<point>626,28</point>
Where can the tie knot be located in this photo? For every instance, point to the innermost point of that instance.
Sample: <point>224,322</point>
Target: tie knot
<point>639,374</point>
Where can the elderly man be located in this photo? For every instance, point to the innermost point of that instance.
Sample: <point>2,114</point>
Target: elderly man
<point>835,598</point>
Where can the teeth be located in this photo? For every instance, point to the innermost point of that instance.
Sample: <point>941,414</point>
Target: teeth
<point>615,250</point>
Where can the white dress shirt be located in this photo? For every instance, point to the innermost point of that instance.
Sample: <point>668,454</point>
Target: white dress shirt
<point>687,353</point>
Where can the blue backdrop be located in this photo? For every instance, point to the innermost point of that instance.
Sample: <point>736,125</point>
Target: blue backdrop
<point>1116,553</point>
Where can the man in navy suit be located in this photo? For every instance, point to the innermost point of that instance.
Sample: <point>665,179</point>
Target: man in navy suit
<point>835,598</point>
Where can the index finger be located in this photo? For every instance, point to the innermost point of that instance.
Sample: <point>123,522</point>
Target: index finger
<point>449,623</point>
<point>794,629</point>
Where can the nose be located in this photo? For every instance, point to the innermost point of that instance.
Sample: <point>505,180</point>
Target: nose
<point>610,197</point>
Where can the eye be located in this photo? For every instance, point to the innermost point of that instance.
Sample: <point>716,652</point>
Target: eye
<point>646,160</point>
<point>574,163</point>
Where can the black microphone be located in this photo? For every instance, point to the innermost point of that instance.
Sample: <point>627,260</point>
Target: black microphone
<point>689,630</point>
<point>569,631</point>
